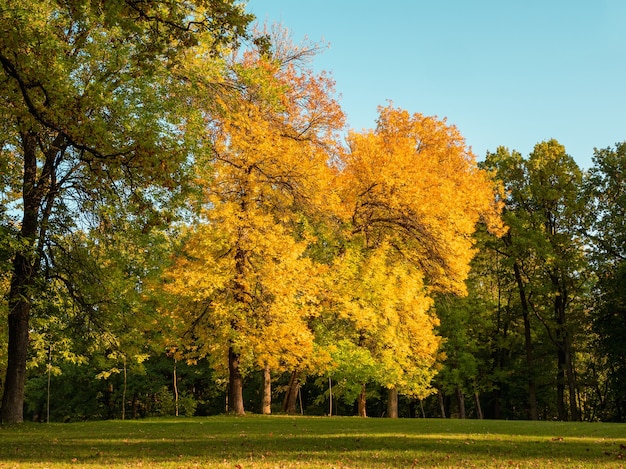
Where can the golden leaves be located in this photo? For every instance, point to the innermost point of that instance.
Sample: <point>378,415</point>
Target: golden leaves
<point>414,181</point>
<point>393,218</point>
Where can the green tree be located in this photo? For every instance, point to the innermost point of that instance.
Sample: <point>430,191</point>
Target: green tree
<point>606,188</point>
<point>545,246</point>
<point>92,104</point>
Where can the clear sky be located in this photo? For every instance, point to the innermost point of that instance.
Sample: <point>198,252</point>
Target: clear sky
<point>505,72</point>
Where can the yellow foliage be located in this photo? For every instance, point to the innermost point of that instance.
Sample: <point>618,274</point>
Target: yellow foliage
<point>242,278</point>
<point>384,307</point>
<point>414,181</point>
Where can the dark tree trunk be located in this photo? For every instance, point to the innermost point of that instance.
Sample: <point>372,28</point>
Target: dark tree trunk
<point>362,403</point>
<point>565,371</point>
<point>530,366</point>
<point>392,403</point>
<point>235,384</point>
<point>442,405</point>
<point>291,398</point>
<point>21,290</point>
<point>560,385</point>
<point>460,401</point>
<point>479,409</point>
<point>571,380</point>
<point>19,313</point>
<point>267,391</point>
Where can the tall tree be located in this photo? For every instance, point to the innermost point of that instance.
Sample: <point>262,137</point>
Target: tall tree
<point>91,99</point>
<point>252,286</point>
<point>606,188</point>
<point>545,214</point>
<point>411,190</point>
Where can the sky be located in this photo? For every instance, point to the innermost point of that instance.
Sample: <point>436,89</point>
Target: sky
<point>507,73</point>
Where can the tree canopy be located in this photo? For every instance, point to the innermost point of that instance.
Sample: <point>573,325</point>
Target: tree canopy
<point>187,225</point>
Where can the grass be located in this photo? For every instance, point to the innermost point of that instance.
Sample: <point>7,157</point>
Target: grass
<point>312,442</point>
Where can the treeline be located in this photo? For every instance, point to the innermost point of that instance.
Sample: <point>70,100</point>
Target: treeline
<point>187,229</point>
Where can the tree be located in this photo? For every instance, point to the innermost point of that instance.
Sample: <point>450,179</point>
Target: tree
<point>412,182</point>
<point>412,196</point>
<point>605,188</point>
<point>91,102</point>
<point>545,215</point>
<point>247,286</point>
<point>379,326</point>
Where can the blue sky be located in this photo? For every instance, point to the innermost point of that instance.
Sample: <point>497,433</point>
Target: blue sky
<point>505,72</point>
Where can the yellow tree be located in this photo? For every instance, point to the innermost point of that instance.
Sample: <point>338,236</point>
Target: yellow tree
<point>414,181</point>
<point>412,188</point>
<point>245,285</point>
<point>383,308</point>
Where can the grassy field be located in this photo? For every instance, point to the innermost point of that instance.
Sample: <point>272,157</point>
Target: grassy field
<point>312,442</point>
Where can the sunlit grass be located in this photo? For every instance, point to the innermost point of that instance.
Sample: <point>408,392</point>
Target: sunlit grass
<point>313,442</point>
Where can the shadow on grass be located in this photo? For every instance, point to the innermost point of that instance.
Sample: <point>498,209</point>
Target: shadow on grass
<point>279,441</point>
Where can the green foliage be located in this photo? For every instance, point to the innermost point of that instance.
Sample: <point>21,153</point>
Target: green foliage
<point>93,390</point>
<point>605,187</point>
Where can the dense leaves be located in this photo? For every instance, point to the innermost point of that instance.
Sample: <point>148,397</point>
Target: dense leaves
<point>184,228</point>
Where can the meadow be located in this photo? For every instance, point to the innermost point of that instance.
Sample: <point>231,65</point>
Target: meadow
<point>312,442</point>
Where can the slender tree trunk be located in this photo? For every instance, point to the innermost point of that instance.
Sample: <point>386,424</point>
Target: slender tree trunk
<point>124,392</point>
<point>362,402</point>
<point>267,391</point>
<point>479,409</point>
<point>175,388</point>
<point>235,384</point>
<point>48,392</point>
<point>566,369</point>
<point>392,403</point>
<point>461,401</point>
<point>291,398</point>
<point>560,383</point>
<point>330,397</point>
<point>530,366</point>
<point>571,381</point>
<point>442,406</point>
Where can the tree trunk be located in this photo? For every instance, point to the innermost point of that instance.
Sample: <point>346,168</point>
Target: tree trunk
<point>330,397</point>
<point>48,390</point>
<point>392,403</point>
<point>461,401</point>
<point>19,315</point>
<point>25,267</point>
<point>479,409</point>
<point>175,389</point>
<point>362,403</point>
<point>267,391</point>
<point>235,384</point>
<point>291,398</point>
<point>571,381</point>
<point>566,370</point>
<point>124,392</point>
<point>560,384</point>
<point>442,406</point>
<point>530,367</point>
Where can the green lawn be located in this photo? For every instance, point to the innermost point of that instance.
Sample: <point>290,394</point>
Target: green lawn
<point>312,442</point>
